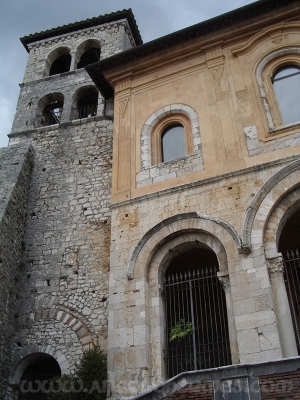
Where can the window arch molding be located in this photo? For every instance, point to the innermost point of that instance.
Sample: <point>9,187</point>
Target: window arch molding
<point>170,114</point>
<point>264,74</point>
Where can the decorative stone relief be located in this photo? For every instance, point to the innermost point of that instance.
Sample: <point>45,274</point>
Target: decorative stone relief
<point>225,281</point>
<point>262,302</point>
<point>275,265</point>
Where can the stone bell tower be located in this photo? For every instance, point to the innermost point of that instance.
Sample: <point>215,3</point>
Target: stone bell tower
<point>55,283</point>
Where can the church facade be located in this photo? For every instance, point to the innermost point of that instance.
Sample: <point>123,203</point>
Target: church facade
<point>151,205</point>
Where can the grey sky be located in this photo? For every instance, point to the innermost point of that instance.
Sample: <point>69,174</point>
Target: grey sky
<point>19,18</point>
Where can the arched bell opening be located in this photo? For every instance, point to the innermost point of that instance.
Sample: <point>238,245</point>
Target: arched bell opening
<point>197,335</point>
<point>34,384</point>
<point>289,247</point>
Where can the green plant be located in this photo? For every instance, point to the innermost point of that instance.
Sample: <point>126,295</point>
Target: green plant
<point>180,331</point>
<point>63,277</point>
<point>88,381</point>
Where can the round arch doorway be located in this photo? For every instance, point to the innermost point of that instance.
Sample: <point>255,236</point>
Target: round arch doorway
<point>35,379</point>
<point>289,247</point>
<point>196,316</point>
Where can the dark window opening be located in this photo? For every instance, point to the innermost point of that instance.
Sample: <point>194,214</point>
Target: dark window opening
<point>51,114</point>
<point>60,65</point>
<point>40,370</point>
<point>89,57</point>
<point>196,316</point>
<point>173,143</point>
<point>289,247</point>
<point>85,103</point>
<point>286,84</point>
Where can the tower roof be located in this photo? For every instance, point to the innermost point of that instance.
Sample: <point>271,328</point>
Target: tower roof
<point>87,23</point>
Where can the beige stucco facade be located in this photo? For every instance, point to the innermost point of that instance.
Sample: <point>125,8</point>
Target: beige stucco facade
<point>230,192</point>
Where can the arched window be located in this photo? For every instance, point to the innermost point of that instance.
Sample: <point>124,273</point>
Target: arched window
<point>171,139</point>
<point>89,57</point>
<point>88,53</point>
<point>85,102</point>
<point>50,109</point>
<point>196,315</point>
<point>173,142</point>
<point>43,369</point>
<point>286,84</point>
<point>60,65</point>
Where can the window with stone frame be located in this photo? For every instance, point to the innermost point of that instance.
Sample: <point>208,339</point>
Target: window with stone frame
<point>171,139</point>
<point>286,84</point>
<point>278,78</point>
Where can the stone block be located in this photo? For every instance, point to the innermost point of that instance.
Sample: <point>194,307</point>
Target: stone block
<point>248,341</point>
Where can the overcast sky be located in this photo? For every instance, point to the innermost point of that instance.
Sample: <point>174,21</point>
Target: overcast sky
<point>19,18</point>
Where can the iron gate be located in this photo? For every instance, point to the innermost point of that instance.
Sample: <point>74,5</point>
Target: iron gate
<point>292,283</point>
<point>196,321</point>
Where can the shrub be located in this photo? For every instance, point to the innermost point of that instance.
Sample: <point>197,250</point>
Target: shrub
<point>88,381</point>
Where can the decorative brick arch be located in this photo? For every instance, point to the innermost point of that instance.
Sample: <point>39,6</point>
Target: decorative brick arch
<point>156,117</point>
<point>77,324</point>
<point>221,236</point>
<point>266,198</point>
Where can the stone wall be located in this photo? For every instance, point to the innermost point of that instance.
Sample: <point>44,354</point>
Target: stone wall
<point>15,173</point>
<point>64,281</point>
<point>143,234</point>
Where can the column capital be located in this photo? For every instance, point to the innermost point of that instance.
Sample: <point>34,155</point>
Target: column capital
<point>275,265</point>
<point>225,281</point>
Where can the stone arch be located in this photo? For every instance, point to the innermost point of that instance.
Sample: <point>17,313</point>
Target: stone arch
<point>280,213</point>
<point>77,324</point>
<point>28,355</point>
<point>156,117</point>
<point>277,214</point>
<point>263,202</point>
<point>46,104</point>
<point>185,232</point>
<point>176,226</point>
<point>54,55</point>
<point>91,93</point>
<point>86,45</point>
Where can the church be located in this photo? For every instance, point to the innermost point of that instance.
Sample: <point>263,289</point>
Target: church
<point>150,203</point>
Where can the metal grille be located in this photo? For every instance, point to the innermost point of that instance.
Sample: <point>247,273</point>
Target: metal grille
<point>292,283</point>
<point>197,329</point>
<point>85,111</point>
